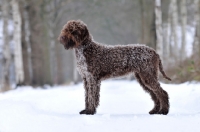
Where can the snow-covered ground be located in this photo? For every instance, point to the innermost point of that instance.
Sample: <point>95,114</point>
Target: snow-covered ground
<point>124,107</point>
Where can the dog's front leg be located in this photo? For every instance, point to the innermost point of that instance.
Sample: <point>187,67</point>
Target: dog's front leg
<point>92,93</point>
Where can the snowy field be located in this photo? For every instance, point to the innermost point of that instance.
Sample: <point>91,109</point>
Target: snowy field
<point>124,107</point>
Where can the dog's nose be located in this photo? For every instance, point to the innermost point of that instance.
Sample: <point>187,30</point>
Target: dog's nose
<point>63,37</point>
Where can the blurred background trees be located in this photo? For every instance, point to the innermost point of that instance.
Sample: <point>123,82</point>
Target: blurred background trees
<point>31,55</point>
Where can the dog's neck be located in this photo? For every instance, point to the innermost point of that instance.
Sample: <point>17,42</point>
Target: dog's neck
<point>85,43</point>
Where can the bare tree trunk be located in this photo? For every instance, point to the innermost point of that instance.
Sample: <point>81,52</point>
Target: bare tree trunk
<point>197,32</point>
<point>183,27</point>
<point>26,44</point>
<point>166,44</point>
<point>144,15</point>
<point>52,10</point>
<point>39,50</point>
<point>27,39</point>
<point>19,70</point>
<point>199,28</point>
<point>174,22</point>
<point>166,31</point>
<point>53,61</point>
<point>148,23</point>
<point>159,32</point>
<point>6,48</point>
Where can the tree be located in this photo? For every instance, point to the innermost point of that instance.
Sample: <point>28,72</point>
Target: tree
<point>26,44</point>
<point>183,27</point>
<point>148,33</point>
<point>166,44</point>
<point>166,30</point>
<point>174,23</point>
<point>38,44</point>
<point>6,47</point>
<point>53,13</point>
<point>197,26</point>
<point>19,70</point>
<point>159,32</point>
<point>50,22</point>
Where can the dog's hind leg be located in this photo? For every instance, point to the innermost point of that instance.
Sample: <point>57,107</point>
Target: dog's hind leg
<point>92,94</point>
<point>162,94</point>
<point>156,108</point>
<point>152,83</point>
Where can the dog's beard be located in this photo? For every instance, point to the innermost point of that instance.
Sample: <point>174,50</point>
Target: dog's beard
<point>70,44</point>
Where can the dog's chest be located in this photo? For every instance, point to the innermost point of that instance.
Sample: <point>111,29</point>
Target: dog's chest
<point>81,62</point>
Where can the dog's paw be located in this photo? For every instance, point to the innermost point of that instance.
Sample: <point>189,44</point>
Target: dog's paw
<point>164,111</point>
<point>87,112</point>
<point>153,112</point>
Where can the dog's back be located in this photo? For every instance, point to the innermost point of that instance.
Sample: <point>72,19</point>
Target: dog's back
<point>115,61</point>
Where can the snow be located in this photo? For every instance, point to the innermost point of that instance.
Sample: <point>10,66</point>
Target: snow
<point>124,107</point>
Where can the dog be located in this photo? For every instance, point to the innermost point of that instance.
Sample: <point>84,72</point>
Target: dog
<point>97,62</point>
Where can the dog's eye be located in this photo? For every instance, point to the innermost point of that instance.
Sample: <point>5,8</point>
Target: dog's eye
<point>75,32</point>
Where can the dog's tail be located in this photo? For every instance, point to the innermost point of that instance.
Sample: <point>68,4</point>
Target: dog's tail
<point>162,71</point>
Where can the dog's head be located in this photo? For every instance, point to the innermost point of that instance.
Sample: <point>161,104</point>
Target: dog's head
<point>73,34</point>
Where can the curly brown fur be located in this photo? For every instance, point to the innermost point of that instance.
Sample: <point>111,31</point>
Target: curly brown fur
<point>97,62</point>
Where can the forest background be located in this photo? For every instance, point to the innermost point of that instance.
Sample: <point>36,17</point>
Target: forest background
<point>30,53</point>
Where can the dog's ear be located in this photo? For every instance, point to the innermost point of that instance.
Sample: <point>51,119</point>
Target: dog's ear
<point>81,33</point>
<point>78,30</point>
<point>85,33</point>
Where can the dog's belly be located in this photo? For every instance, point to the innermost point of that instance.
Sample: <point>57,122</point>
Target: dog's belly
<point>115,75</point>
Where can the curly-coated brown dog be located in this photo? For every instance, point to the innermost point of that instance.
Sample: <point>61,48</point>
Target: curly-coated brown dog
<point>97,62</point>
